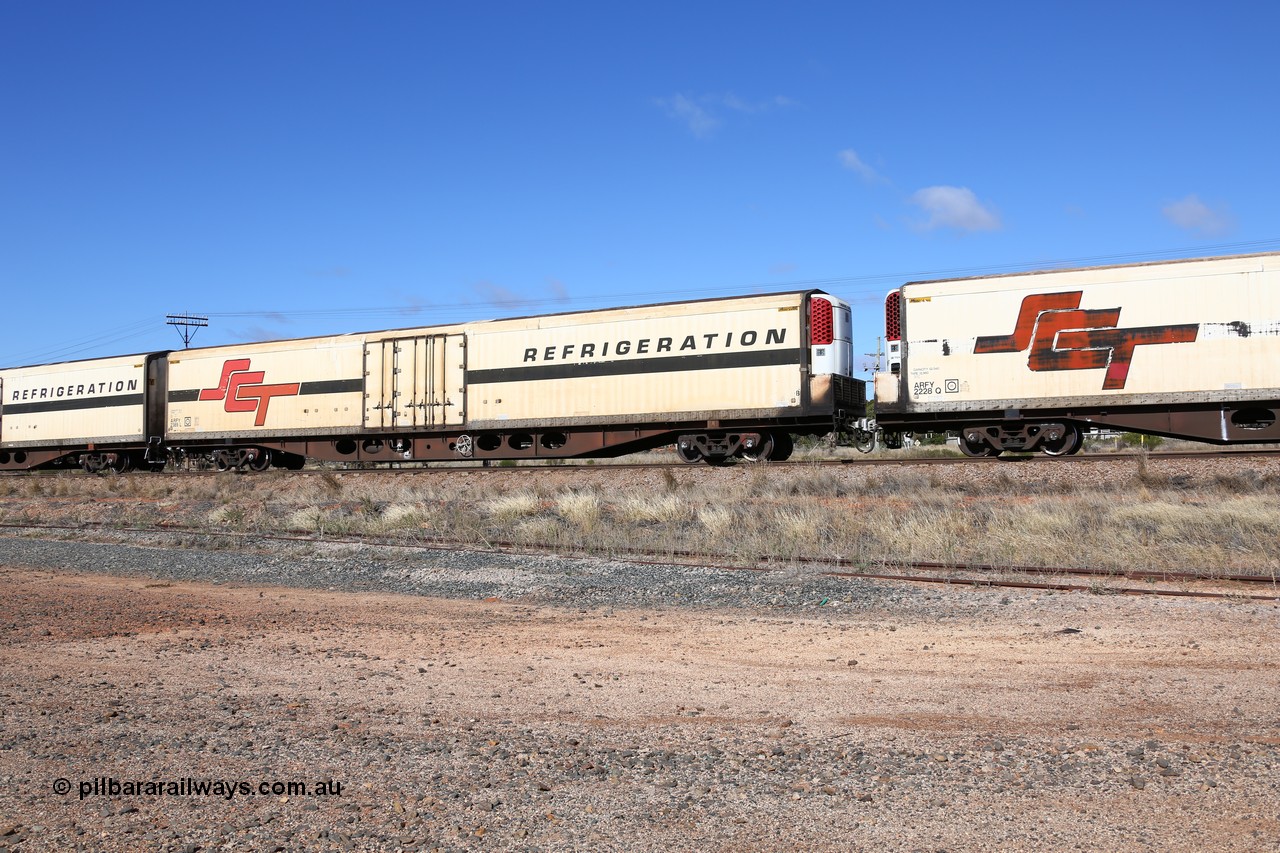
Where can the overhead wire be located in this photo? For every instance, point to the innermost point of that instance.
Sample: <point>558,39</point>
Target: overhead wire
<point>854,286</point>
<point>894,278</point>
<point>138,329</point>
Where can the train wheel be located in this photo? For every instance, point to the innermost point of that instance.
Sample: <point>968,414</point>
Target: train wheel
<point>1068,443</point>
<point>762,451</point>
<point>977,448</point>
<point>260,461</point>
<point>688,454</point>
<point>783,446</point>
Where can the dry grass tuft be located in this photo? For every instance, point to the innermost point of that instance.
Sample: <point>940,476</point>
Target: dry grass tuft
<point>512,506</point>
<point>651,509</point>
<point>307,519</point>
<point>718,521</point>
<point>230,515</point>
<point>400,516</point>
<point>543,532</point>
<point>582,509</point>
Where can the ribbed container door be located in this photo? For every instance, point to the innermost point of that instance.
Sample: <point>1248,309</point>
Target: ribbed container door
<point>415,383</point>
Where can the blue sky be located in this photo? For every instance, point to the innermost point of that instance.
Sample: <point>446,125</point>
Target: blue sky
<point>301,168</point>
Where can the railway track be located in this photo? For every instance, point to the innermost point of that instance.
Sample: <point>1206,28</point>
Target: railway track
<point>1212,585</point>
<point>857,462</point>
<point>609,465</point>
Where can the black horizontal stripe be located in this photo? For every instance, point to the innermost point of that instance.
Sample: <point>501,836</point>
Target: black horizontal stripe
<point>183,396</point>
<point>631,366</point>
<point>332,386</point>
<point>65,405</point>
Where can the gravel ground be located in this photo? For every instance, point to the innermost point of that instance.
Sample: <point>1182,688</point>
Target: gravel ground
<point>454,574</point>
<point>468,701</point>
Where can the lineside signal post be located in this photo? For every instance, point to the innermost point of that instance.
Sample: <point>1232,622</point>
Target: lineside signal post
<point>187,326</point>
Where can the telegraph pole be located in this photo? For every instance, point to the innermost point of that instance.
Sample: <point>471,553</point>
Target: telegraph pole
<point>878,354</point>
<point>187,326</point>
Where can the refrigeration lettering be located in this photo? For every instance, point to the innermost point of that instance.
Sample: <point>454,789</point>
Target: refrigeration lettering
<point>706,342</point>
<point>80,389</point>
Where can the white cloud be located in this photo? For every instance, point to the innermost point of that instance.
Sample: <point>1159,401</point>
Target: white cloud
<point>1191,214</point>
<point>851,161</point>
<point>700,113</point>
<point>683,108</point>
<point>954,207</point>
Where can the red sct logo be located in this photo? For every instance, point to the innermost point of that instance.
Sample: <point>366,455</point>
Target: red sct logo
<point>1061,336</point>
<point>243,391</point>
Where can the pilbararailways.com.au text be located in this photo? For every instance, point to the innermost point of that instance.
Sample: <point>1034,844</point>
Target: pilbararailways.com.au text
<point>227,789</point>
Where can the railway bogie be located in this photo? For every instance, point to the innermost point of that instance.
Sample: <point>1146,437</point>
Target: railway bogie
<point>720,446</point>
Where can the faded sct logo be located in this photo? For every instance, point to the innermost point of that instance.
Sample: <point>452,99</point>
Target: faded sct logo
<point>1062,336</point>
